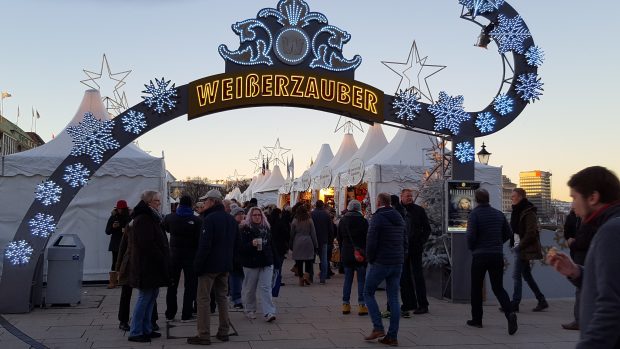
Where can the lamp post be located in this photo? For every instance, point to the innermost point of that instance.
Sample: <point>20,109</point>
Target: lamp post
<point>484,155</point>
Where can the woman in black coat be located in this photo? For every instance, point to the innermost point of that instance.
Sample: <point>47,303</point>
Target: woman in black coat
<point>116,225</point>
<point>352,230</point>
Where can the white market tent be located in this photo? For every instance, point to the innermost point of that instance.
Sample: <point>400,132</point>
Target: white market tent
<point>247,193</point>
<point>234,194</point>
<point>125,176</point>
<point>323,158</point>
<point>267,193</point>
<point>348,147</point>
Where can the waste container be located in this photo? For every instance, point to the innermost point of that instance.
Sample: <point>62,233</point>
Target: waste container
<point>65,267</point>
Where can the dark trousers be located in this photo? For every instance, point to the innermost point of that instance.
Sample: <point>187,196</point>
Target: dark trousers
<point>114,257</point>
<point>407,291</point>
<point>418,281</point>
<point>523,271</point>
<point>123,307</point>
<point>182,262</point>
<point>494,264</point>
<point>309,268</point>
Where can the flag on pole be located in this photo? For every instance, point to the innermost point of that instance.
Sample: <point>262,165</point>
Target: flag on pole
<point>38,116</point>
<point>6,95</point>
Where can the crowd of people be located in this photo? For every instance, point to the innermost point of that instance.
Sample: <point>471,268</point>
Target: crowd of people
<point>231,254</point>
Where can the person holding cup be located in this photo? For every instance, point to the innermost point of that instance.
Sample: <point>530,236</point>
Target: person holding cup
<point>257,258</point>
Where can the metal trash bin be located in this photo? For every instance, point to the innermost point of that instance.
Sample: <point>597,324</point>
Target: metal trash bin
<point>65,267</point>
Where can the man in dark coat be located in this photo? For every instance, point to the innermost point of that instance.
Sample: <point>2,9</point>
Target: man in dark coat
<point>324,228</point>
<point>526,243</point>
<point>184,229</point>
<point>149,263</point>
<point>386,246</point>
<point>596,198</point>
<point>419,230</point>
<point>219,239</point>
<point>487,231</point>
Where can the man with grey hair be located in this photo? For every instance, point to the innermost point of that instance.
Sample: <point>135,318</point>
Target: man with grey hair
<point>385,263</point>
<point>219,239</point>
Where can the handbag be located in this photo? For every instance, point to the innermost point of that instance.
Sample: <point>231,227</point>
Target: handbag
<point>358,253</point>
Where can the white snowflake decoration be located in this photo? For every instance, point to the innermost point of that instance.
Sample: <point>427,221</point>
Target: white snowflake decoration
<point>48,193</point>
<point>76,175</point>
<point>134,122</point>
<point>529,87</point>
<point>160,96</point>
<point>510,34</point>
<point>464,152</point>
<point>481,6</point>
<point>503,104</point>
<point>92,137</point>
<point>535,56</point>
<point>406,105</point>
<point>18,252</point>
<point>42,225</point>
<point>449,113</point>
<point>485,122</point>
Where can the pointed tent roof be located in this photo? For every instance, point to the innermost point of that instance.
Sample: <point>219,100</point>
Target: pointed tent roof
<point>322,159</point>
<point>130,161</point>
<point>274,182</point>
<point>348,147</point>
<point>260,179</point>
<point>374,142</point>
<point>407,148</point>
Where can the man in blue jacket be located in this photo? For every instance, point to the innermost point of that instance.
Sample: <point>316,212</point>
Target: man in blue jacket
<point>219,239</point>
<point>386,246</point>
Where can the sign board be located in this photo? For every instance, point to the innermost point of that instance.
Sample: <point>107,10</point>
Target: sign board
<point>305,181</point>
<point>460,203</point>
<point>355,173</point>
<point>325,179</point>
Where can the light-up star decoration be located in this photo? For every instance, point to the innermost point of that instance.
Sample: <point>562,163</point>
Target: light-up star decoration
<point>235,177</point>
<point>277,153</point>
<point>348,125</point>
<point>109,85</point>
<point>414,72</point>
<point>481,6</point>
<point>257,162</point>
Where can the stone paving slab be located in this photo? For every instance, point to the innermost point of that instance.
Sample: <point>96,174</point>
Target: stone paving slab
<point>308,317</point>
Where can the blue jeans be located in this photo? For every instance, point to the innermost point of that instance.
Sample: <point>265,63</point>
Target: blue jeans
<point>348,282</point>
<point>235,280</point>
<point>374,276</point>
<point>324,262</point>
<point>523,271</point>
<point>257,284</point>
<point>142,312</point>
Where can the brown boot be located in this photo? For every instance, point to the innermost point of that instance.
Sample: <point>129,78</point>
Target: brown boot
<point>301,282</point>
<point>113,279</point>
<point>306,279</point>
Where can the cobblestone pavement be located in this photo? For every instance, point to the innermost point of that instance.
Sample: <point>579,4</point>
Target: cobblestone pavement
<point>308,317</point>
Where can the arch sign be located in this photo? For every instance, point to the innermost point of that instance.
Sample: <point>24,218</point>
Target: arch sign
<point>287,56</point>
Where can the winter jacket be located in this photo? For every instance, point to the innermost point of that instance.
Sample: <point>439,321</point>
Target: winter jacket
<point>487,230</point>
<point>303,240</point>
<point>148,248</point>
<point>124,256</point>
<point>386,242</point>
<point>352,231</point>
<point>184,229</point>
<point>218,243</point>
<point>281,235</point>
<point>116,233</point>
<point>418,228</point>
<point>251,257</point>
<point>323,225</point>
<point>525,223</point>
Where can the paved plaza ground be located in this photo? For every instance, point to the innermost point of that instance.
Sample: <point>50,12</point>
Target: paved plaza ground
<point>308,317</point>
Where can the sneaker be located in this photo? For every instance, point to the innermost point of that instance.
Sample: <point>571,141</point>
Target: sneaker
<point>270,317</point>
<point>405,313</point>
<point>250,315</point>
<point>573,326</point>
<point>362,310</point>
<point>385,314</point>
<point>139,339</point>
<point>238,306</point>
<point>124,326</point>
<point>512,324</point>
<point>222,337</point>
<point>198,341</point>
<point>346,309</point>
<point>542,305</point>
<point>473,323</point>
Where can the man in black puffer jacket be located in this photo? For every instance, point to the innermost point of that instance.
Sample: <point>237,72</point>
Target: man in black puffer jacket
<point>386,246</point>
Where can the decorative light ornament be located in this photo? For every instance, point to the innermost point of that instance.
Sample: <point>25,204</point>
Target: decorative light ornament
<point>329,55</point>
<point>134,122</point>
<point>160,96</point>
<point>503,104</point>
<point>18,252</point>
<point>42,225</point>
<point>529,87</point>
<point>92,137</point>
<point>277,152</point>
<point>485,122</point>
<point>257,161</point>
<point>76,175</point>
<point>406,105</point>
<point>510,34</point>
<point>535,56</point>
<point>117,102</point>
<point>449,113</point>
<point>481,6</point>
<point>48,193</point>
<point>464,152</point>
<point>250,55</point>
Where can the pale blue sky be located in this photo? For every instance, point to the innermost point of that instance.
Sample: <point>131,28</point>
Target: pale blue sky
<point>46,44</point>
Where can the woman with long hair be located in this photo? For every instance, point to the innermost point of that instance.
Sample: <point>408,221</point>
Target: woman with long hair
<point>257,258</point>
<point>115,228</point>
<point>304,244</point>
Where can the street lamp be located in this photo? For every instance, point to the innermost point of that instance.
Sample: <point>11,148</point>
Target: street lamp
<point>484,155</point>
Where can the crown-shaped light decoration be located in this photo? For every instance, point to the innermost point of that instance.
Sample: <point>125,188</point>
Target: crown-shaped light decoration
<point>290,35</point>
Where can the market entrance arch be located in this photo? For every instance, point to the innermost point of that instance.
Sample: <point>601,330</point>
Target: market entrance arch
<point>288,56</point>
